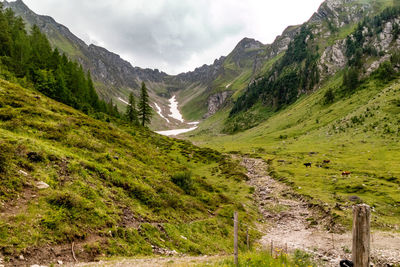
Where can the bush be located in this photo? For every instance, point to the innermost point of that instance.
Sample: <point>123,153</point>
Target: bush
<point>329,97</point>
<point>183,180</point>
<point>386,72</point>
<point>3,163</point>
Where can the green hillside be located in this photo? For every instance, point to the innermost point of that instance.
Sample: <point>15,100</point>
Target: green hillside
<point>358,133</point>
<point>113,189</point>
<point>350,119</point>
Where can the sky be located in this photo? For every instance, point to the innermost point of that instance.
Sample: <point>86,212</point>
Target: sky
<point>175,35</point>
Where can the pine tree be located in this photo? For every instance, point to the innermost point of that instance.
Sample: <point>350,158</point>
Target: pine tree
<point>145,111</point>
<point>131,112</point>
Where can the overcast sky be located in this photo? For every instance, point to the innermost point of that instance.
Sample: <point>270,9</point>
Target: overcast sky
<point>175,35</point>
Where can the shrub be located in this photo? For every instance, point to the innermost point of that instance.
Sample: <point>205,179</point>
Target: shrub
<point>35,157</point>
<point>183,180</point>
<point>3,163</point>
<point>329,97</point>
<point>386,72</point>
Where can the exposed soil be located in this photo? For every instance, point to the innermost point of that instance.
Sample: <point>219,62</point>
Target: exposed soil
<point>156,262</point>
<point>290,222</point>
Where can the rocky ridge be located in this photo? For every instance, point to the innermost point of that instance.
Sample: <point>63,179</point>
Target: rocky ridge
<point>114,73</point>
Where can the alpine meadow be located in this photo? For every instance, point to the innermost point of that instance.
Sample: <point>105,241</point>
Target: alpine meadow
<point>280,154</point>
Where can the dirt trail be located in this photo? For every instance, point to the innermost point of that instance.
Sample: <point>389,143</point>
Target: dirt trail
<point>154,262</point>
<point>288,220</point>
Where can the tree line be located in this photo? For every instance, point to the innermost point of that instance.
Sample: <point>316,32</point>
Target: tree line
<point>29,58</point>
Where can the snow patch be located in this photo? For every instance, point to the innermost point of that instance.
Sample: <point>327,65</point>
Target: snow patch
<point>123,101</point>
<point>175,113</point>
<point>159,111</point>
<point>176,131</point>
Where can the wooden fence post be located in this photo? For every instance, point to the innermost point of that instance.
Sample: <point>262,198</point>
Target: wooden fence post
<point>272,248</point>
<point>361,235</point>
<point>235,226</point>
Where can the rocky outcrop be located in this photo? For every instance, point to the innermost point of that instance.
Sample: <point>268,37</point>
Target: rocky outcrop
<point>204,74</point>
<point>340,12</point>
<point>333,59</point>
<point>216,101</point>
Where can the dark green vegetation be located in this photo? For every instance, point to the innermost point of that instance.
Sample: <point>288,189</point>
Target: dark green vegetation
<point>131,111</point>
<point>144,110</point>
<point>29,60</point>
<point>114,189</point>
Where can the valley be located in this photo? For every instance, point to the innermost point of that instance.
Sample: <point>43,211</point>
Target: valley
<point>291,134</point>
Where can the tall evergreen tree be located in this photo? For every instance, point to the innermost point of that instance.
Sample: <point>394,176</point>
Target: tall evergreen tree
<point>145,111</point>
<point>131,112</point>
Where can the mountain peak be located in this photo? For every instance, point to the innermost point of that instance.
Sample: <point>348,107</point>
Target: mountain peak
<point>248,43</point>
<point>18,4</point>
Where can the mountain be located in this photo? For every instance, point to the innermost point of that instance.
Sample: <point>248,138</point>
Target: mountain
<point>330,100</point>
<point>210,88</point>
<point>106,67</point>
<point>115,77</point>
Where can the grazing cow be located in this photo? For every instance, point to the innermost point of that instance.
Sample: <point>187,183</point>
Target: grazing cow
<point>345,173</point>
<point>327,161</point>
<point>346,263</point>
<point>308,164</point>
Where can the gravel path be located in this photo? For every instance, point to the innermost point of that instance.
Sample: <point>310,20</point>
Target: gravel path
<point>289,222</point>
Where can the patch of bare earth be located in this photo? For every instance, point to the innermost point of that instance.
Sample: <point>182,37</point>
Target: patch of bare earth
<point>290,222</point>
<point>156,262</point>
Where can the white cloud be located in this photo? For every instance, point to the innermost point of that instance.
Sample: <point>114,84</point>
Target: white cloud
<point>175,35</point>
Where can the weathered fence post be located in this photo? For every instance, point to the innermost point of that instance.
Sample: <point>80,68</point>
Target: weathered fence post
<point>272,248</point>
<point>235,244</point>
<point>361,235</point>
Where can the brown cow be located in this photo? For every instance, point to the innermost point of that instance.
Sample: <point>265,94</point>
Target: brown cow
<point>345,173</point>
<point>327,161</point>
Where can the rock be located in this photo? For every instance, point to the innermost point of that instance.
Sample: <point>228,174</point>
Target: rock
<point>23,172</point>
<point>42,185</point>
<point>333,58</point>
<point>216,101</point>
<point>21,257</point>
<point>60,262</point>
<point>354,198</point>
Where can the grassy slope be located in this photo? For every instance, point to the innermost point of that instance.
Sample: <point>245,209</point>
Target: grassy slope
<point>359,133</point>
<point>107,178</point>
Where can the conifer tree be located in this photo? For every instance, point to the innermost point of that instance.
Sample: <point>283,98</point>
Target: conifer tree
<point>145,111</point>
<point>29,56</point>
<point>131,112</point>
